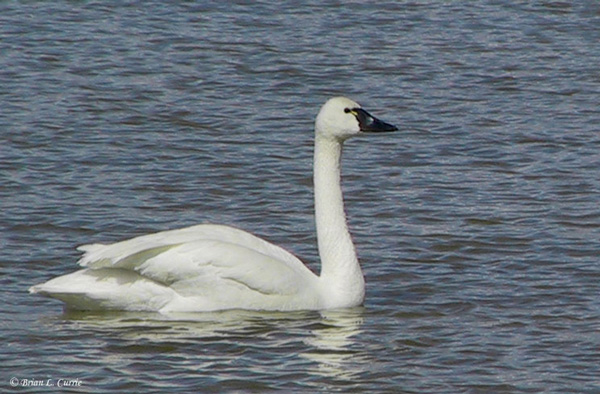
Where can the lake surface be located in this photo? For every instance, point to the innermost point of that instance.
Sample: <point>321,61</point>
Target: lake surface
<point>477,225</point>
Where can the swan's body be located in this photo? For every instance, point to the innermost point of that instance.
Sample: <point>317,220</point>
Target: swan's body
<point>212,267</point>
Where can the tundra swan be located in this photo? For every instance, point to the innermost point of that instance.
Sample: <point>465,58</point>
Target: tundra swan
<point>213,267</point>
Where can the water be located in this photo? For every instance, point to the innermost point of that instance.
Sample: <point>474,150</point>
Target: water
<point>477,225</point>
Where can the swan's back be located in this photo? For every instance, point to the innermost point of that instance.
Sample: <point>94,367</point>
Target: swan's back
<point>129,252</point>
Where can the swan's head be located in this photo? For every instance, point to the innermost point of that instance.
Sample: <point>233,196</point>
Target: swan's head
<point>342,118</point>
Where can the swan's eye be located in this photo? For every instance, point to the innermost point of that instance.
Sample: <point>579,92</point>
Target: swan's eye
<point>351,111</point>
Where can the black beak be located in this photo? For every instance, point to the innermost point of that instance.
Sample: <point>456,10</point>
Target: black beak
<point>370,124</point>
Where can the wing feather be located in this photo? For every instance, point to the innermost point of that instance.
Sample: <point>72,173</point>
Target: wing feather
<point>220,264</point>
<point>216,256</point>
<point>132,251</point>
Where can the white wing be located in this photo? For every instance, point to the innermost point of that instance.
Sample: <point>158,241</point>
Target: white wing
<point>130,252</point>
<point>204,267</point>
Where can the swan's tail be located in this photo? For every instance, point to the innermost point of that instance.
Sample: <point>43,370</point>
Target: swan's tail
<point>106,289</point>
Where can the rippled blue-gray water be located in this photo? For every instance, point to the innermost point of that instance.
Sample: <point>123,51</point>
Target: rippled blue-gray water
<point>477,225</point>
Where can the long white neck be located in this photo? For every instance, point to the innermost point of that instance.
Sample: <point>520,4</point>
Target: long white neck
<point>340,271</point>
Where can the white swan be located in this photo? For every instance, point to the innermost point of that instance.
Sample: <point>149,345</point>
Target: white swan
<point>213,267</point>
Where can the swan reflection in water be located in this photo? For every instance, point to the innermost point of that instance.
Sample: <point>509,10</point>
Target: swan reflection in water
<point>333,344</point>
<point>320,343</point>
